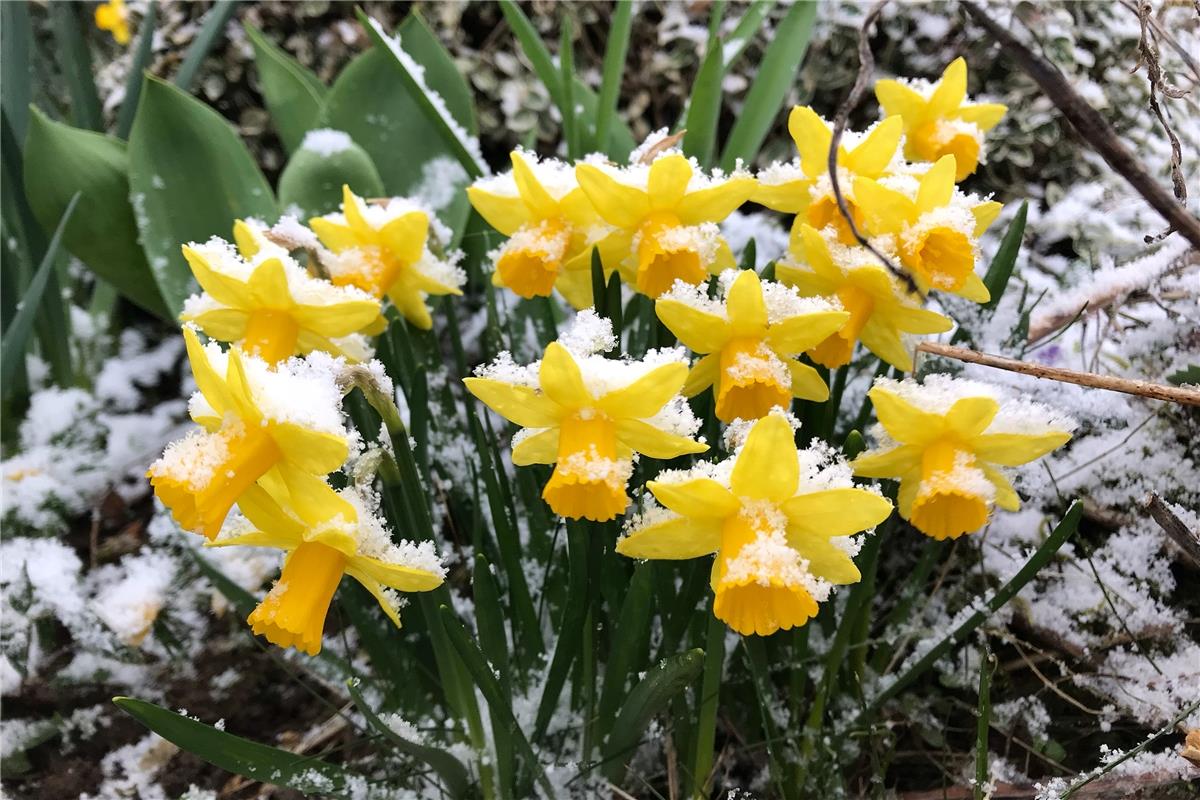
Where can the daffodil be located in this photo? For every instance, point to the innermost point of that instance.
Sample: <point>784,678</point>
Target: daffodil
<point>937,119</point>
<point>550,224</point>
<point>749,336</point>
<point>805,188</point>
<point>881,311</point>
<point>113,17</point>
<point>665,214</point>
<point>280,425</point>
<point>263,300</point>
<point>348,539</point>
<point>588,415</point>
<point>945,440</point>
<point>932,226</point>
<point>383,249</point>
<point>778,518</point>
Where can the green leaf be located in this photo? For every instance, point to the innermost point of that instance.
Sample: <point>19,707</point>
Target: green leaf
<point>76,65</point>
<point>16,65</point>
<point>1001,268</point>
<point>211,29</point>
<point>294,95</point>
<point>441,73</point>
<point>12,349</point>
<point>629,644</point>
<point>241,756</point>
<point>452,772</point>
<point>610,81</point>
<point>312,180</point>
<point>61,161</point>
<point>489,616</point>
<point>242,601</point>
<point>748,25</point>
<point>652,694</point>
<point>704,107</point>
<point>771,83</point>
<point>1188,375</point>
<point>190,178</point>
<point>534,48</point>
<point>133,83</point>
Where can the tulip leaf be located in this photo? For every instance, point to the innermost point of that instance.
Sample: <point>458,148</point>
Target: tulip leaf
<point>190,177</point>
<point>294,95</point>
<point>311,183</point>
<point>61,161</point>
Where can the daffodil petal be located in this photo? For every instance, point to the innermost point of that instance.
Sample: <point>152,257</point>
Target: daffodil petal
<point>716,202</point>
<point>1014,449</point>
<point>313,500</point>
<point>899,99</point>
<point>396,576</point>
<point>1006,496</point>
<point>826,560</point>
<point>905,422</point>
<point>373,586</point>
<point>699,331</point>
<point>985,214</point>
<point>645,396</point>
<point>701,497</point>
<point>836,512</point>
<point>642,437</point>
<point>317,452</point>
<point>561,379</point>
<point>872,156</point>
<point>673,539</point>
<point>812,137</point>
<point>970,416</point>
<point>985,115</point>
<point>887,463</point>
<point>265,513</point>
<point>268,285</point>
<point>745,305</point>
<point>405,235</point>
<point>668,181</point>
<point>704,373</point>
<point>534,195</point>
<point>210,384</point>
<point>519,404</point>
<point>807,383</point>
<point>354,209</point>
<point>256,538</point>
<point>224,289</point>
<point>886,343</point>
<point>222,324</point>
<point>334,235</point>
<point>937,185</point>
<point>796,334</point>
<point>618,203</point>
<point>790,197</point>
<point>537,448</point>
<point>951,90</point>
<point>886,210</point>
<point>505,213</point>
<point>337,319</point>
<point>767,466</point>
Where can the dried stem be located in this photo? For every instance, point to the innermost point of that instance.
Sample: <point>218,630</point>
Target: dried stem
<point>1156,391</point>
<point>1091,125</point>
<point>1174,527</point>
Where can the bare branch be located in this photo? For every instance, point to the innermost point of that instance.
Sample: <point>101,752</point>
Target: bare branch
<point>1174,527</point>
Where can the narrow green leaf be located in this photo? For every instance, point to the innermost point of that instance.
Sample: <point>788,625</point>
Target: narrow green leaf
<point>614,66</point>
<point>211,30</point>
<point>77,67</point>
<point>566,72</point>
<point>312,181</point>
<point>771,83</point>
<point>452,772</point>
<point>982,721</point>
<point>190,178</point>
<point>534,48</point>
<point>498,702</point>
<point>1001,268</point>
<point>489,617</point>
<point>707,701</point>
<point>651,695</point>
<point>629,644</point>
<point>737,41</point>
<point>570,628</point>
<point>16,65</point>
<point>764,694</point>
<point>60,162</point>
<point>241,756</point>
<point>16,336</point>
<point>242,601</point>
<point>704,107</point>
<point>749,255</point>
<point>133,83</point>
<point>294,95</point>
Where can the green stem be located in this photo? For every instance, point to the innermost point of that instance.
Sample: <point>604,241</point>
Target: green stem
<point>710,689</point>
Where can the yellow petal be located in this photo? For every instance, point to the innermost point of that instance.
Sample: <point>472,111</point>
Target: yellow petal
<point>705,373</point>
<point>519,404</point>
<point>985,214</point>
<point>642,437</point>
<point>317,452</point>
<point>256,538</point>
<point>885,342</point>
<point>826,560</point>
<point>885,210</point>
<point>897,98</point>
<point>411,305</point>
<point>575,285</point>
<point>905,422</point>
<point>534,195</point>
<point>1006,496</point>
<point>334,235</point>
<point>210,384</point>
<point>354,209</point>
<point>790,197</point>
<point>872,156</point>
<point>1013,449</point>
<point>264,511</point>
<point>745,305</point>
<point>246,238</point>
<point>887,463</point>
<point>618,203</point>
<point>224,289</point>
<point>222,324</point>
<point>913,319</point>
<point>937,185</point>
<point>835,512</point>
<point>313,500</point>
<point>767,466</point>
<point>910,484</point>
<point>405,236</point>
<point>668,181</point>
<point>561,379</point>
<point>672,539</point>
<point>537,448</point>
<point>970,416</point>
<point>812,137</point>
<point>505,213</point>
<point>985,115</point>
<point>951,89</point>
<point>396,576</point>
<point>338,319</point>
<point>699,331</point>
<point>716,202</point>
<point>807,383</point>
<point>376,591</point>
<point>974,289</point>
<point>796,334</point>
<point>240,396</point>
<point>269,286</point>
<point>646,396</point>
<point>701,497</point>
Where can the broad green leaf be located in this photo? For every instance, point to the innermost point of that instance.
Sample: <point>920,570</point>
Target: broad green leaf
<point>76,60</point>
<point>312,181</point>
<point>12,349</point>
<point>211,30</point>
<point>651,695</point>
<point>453,774</point>
<point>294,95</point>
<point>771,83</point>
<point>133,83</point>
<point>441,73</point>
<point>190,178</point>
<point>704,106</point>
<point>240,756</point>
<point>16,65</point>
<point>61,161</point>
<point>1001,268</point>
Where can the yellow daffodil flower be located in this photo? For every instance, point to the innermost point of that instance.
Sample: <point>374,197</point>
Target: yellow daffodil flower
<point>114,18</point>
<point>749,337</point>
<point>269,304</point>
<point>666,215</point>
<point>807,191</point>
<point>937,120</point>
<point>348,540</point>
<point>383,250</point>
<point>778,530</point>
<point>282,426</point>
<point>550,224</point>
<point>935,228</point>
<point>945,439</point>
<point>587,415</point>
<point>881,310</point>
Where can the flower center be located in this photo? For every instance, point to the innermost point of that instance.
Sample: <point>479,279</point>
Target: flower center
<point>271,335</point>
<point>369,267</point>
<point>953,497</point>
<point>943,257</point>
<point>588,480</point>
<point>531,260</point>
<point>837,348</point>
<point>824,212</point>
<point>293,613</point>
<point>668,251</point>
<point>753,381</point>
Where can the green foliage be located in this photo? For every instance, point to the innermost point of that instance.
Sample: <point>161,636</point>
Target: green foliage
<point>312,181</point>
<point>1001,268</point>
<point>293,93</point>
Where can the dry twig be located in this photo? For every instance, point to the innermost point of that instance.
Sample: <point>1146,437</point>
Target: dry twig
<point>1156,391</point>
<point>1174,527</point>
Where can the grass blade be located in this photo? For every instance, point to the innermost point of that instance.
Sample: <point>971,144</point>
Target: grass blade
<point>76,66</point>
<point>1001,268</point>
<point>771,84</point>
<point>984,715</point>
<point>133,83</point>
<point>566,64</point>
<point>212,28</point>
<point>16,336</point>
<point>610,81</point>
<point>238,755</point>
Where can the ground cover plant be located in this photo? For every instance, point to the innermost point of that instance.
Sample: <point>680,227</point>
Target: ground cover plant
<point>600,400</point>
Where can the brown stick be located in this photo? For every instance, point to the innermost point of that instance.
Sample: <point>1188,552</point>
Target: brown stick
<point>1173,394</point>
<point>1173,526</point>
<point>1091,125</point>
